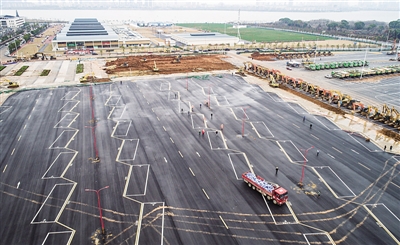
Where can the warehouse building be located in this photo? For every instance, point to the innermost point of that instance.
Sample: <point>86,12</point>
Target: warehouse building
<point>89,34</point>
<point>205,38</point>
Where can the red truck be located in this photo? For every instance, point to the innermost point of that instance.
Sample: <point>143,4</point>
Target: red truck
<point>278,194</point>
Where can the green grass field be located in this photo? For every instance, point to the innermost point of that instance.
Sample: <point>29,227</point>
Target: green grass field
<point>254,34</point>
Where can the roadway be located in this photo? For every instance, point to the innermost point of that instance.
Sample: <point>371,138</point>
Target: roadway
<point>168,184</point>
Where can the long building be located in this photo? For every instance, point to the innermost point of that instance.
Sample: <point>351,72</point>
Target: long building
<point>89,33</point>
<point>205,38</point>
<point>9,21</point>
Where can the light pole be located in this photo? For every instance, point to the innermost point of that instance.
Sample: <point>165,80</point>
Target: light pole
<point>304,165</point>
<point>98,203</point>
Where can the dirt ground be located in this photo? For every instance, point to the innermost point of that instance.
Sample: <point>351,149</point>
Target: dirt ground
<point>136,66</point>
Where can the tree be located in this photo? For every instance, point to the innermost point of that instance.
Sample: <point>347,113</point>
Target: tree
<point>332,26</point>
<point>359,25</point>
<point>344,24</point>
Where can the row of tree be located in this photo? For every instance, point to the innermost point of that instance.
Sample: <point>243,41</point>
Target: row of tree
<point>380,31</point>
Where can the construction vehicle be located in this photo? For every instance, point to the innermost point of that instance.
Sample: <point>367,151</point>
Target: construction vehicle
<point>177,59</point>
<point>357,105</point>
<point>393,50</point>
<point>345,100</point>
<point>272,82</point>
<point>293,63</point>
<point>240,71</point>
<point>41,56</point>
<point>88,78</point>
<point>155,68</point>
<point>271,191</point>
<point>13,85</point>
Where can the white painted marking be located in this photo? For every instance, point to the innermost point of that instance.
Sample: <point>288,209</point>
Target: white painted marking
<point>280,116</point>
<point>180,154</point>
<point>330,155</point>
<point>355,151</point>
<point>336,149</point>
<point>18,184</point>
<point>172,140</point>
<point>158,119</point>
<point>314,136</point>
<point>205,193</point>
<point>25,126</point>
<point>5,168</point>
<point>390,183</point>
<point>192,172</point>
<point>295,125</point>
<point>364,166</point>
<point>12,152</point>
<point>33,108</point>
<point>164,128</point>
<point>223,222</point>
<point>165,159</point>
<point>197,153</point>
<point>19,137</point>
<point>29,117</point>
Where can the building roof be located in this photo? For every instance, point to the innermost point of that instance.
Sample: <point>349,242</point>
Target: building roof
<point>209,36</point>
<point>83,29</point>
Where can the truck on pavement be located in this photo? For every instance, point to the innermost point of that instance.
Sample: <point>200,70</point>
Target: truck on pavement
<point>271,191</point>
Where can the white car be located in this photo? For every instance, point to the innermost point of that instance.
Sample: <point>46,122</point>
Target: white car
<point>328,76</point>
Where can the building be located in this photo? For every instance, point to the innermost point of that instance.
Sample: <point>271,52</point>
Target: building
<point>89,34</point>
<point>205,38</point>
<point>9,21</point>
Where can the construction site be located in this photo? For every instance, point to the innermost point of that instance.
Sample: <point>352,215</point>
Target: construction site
<point>166,64</point>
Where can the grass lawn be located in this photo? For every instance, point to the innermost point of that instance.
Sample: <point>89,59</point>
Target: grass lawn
<point>255,34</point>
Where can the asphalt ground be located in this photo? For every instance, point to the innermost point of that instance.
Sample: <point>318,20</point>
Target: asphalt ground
<point>169,184</point>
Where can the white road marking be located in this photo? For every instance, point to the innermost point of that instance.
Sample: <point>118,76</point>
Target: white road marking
<point>205,193</point>
<point>165,159</point>
<point>25,126</point>
<point>158,119</point>
<point>355,151</point>
<point>12,152</point>
<point>192,172</point>
<point>4,168</point>
<point>164,128</point>
<point>330,155</point>
<point>364,166</point>
<point>180,154</point>
<point>19,137</point>
<point>223,222</point>
<point>172,140</point>
<point>390,183</point>
<point>197,153</point>
<point>18,184</point>
<point>336,149</point>
<point>295,125</point>
<point>280,116</point>
<point>315,136</point>
<point>29,117</point>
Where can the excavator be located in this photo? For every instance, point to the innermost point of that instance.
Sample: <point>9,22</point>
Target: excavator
<point>10,84</point>
<point>394,115</point>
<point>345,100</point>
<point>272,82</point>
<point>393,50</point>
<point>90,77</point>
<point>177,59</point>
<point>357,105</point>
<point>155,68</point>
<point>336,97</point>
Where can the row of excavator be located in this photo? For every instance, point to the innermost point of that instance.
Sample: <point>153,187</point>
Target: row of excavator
<point>390,117</point>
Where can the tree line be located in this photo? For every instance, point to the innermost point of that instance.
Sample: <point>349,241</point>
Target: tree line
<point>373,30</point>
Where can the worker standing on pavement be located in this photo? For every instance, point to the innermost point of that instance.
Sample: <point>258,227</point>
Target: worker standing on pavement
<point>310,125</point>
<point>317,152</point>
<point>276,170</point>
<point>304,118</point>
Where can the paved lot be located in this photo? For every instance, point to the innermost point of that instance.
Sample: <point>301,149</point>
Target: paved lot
<point>170,185</point>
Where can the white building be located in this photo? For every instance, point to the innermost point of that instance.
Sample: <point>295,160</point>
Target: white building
<point>8,21</point>
<point>205,38</point>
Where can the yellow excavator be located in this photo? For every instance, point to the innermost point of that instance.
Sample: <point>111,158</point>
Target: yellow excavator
<point>272,82</point>
<point>9,83</point>
<point>155,68</point>
<point>90,77</point>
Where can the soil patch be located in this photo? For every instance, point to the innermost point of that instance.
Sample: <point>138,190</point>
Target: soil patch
<point>166,64</point>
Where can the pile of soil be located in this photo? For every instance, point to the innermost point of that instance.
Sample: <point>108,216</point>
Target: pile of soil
<point>166,64</point>
<point>315,101</point>
<point>390,133</point>
<point>265,57</point>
